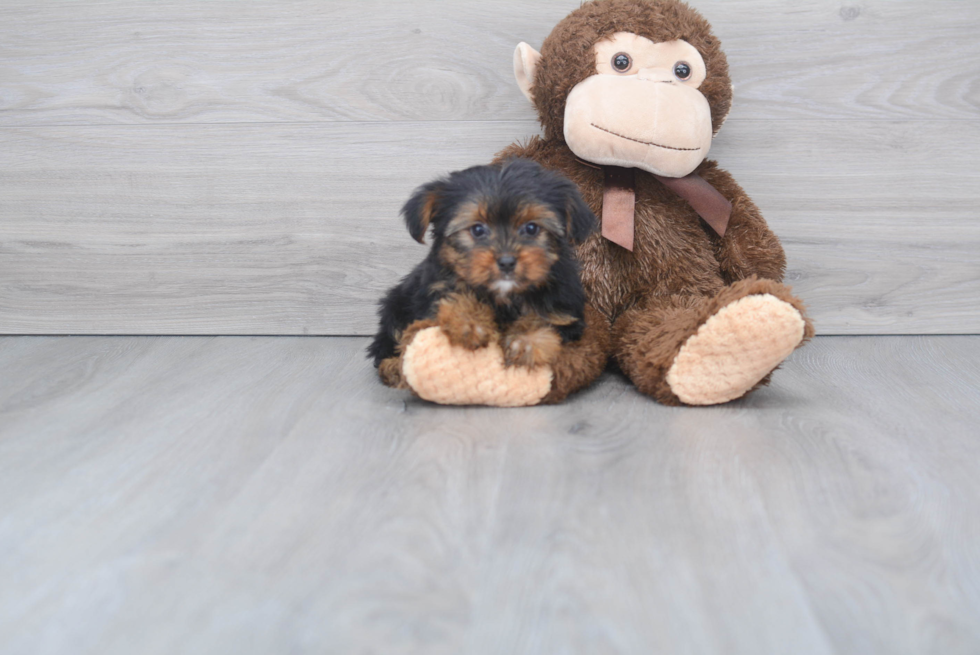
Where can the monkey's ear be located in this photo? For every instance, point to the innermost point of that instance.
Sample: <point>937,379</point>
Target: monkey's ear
<point>581,221</point>
<point>526,61</point>
<point>421,207</point>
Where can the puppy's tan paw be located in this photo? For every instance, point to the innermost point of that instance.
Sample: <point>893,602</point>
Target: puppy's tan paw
<point>467,334</point>
<point>468,323</point>
<point>538,347</point>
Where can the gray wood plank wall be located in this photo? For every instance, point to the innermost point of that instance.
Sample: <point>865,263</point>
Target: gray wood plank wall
<point>236,167</point>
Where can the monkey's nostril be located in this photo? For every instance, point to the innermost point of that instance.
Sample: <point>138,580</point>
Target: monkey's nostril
<point>506,263</point>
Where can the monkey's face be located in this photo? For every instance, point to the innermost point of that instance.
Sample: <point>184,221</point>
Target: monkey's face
<point>634,83</point>
<point>643,108</point>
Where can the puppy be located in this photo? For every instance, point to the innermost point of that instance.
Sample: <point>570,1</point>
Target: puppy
<point>501,269</point>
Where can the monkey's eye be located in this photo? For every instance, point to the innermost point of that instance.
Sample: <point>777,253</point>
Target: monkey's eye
<point>479,230</point>
<point>622,62</point>
<point>530,229</point>
<point>682,70</point>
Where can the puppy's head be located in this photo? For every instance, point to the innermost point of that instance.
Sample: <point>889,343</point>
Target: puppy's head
<point>501,228</point>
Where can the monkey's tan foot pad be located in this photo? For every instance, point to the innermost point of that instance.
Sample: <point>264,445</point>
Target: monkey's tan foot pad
<point>450,375</point>
<point>734,349</point>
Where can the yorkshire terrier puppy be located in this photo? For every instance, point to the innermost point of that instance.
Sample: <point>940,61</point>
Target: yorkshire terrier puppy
<point>501,268</point>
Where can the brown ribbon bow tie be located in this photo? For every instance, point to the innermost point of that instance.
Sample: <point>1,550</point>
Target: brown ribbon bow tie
<point>619,202</point>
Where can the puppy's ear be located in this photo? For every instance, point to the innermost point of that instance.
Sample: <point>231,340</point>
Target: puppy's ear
<point>421,207</point>
<point>580,219</point>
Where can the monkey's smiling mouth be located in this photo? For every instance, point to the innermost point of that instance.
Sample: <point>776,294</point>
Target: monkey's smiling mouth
<point>646,143</point>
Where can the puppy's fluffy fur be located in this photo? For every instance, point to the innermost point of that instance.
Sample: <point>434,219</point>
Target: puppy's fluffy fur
<point>501,267</point>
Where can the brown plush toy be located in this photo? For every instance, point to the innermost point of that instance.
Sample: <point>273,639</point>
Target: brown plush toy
<point>684,283</point>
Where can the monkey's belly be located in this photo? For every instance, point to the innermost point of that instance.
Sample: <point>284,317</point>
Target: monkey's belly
<point>616,279</point>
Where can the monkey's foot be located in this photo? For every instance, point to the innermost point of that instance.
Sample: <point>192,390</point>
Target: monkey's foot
<point>735,349</point>
<point>452,375</point>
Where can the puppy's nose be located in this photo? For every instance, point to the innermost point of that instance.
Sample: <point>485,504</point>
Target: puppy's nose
<point>506,263</point>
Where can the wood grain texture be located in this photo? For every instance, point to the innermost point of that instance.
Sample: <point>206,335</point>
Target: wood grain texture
<point>242,229</point>
<point>225,61</point>
<point>221,167</point>
<point>256,495</point>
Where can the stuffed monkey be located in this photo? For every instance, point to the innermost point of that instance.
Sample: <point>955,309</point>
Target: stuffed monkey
<point>685,281</point>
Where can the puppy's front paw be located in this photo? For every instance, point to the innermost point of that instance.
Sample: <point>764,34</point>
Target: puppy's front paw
<point>538,347</point>
<point>467,322</point>
<point>468,334</point>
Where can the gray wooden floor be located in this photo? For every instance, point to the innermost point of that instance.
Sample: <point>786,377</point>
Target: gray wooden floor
<point>266,495</point>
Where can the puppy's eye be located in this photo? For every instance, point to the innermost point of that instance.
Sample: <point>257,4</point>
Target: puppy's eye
<point>479,231</point>
<point>530,229</point>
<point>682,70</point>
<point>622,62</point>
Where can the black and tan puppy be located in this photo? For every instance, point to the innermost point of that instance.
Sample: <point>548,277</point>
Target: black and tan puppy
<point>502,267</point>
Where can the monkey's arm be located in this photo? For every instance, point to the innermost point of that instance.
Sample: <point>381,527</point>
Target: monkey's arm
<point>439,372</point>
<point>580,362</point>
<point>749,247</point>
